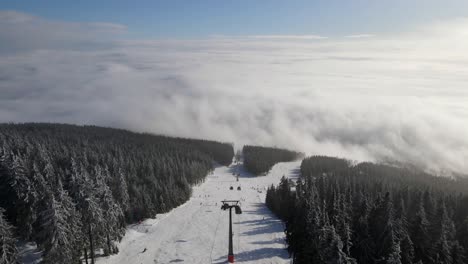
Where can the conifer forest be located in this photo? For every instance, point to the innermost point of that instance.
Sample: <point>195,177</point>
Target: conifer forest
<point>339,212</point>
<point>72,189</point>
<point>259,160</point>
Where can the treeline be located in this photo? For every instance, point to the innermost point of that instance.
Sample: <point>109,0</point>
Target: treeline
<point>258,160</point>
<point>72,189</point>
<point>370,213</point>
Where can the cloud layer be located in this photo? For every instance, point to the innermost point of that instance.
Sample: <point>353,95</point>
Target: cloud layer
<point>396,98</point>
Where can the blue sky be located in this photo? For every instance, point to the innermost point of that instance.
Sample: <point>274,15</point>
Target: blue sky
<point>398,92</point>
<point>195,19</point>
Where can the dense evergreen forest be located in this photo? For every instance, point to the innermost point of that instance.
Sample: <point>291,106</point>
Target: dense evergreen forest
<point>370,213</point>
<point>72,189</point>
<point>259,160</point>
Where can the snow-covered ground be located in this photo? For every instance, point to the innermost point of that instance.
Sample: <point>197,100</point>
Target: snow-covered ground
<point>29,253</point>
<point>197,231</point>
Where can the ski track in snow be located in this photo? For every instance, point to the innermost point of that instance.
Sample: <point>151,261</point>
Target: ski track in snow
<point>197,231</point>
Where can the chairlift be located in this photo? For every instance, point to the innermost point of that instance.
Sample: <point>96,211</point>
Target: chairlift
<point>231,188</point>
<point>225,206</point>
<point>239,188</point>
<point>228,205</point>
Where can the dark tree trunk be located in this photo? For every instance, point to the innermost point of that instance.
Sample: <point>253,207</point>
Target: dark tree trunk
<point>109,249</point>
<point>86,255</point>
<point>91,245</point>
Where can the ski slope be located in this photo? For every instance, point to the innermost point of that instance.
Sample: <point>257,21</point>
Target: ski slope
<point>197,231</point>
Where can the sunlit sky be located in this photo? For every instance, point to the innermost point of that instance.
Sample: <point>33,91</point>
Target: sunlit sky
<point>194,19</point>
<point>366,80</point>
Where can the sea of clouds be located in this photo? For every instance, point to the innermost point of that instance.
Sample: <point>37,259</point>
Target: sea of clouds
<point>400,97</point>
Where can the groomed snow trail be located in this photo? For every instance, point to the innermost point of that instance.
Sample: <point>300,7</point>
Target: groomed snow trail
<point>197,231</point>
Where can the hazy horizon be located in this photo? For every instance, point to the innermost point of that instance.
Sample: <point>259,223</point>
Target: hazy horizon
<point>392,95</point>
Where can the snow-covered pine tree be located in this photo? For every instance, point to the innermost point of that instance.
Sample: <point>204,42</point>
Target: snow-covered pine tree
<point>331,247</point>
<point>60,231</point>
<point>111,212</point>
<point>86,196</point>
<point>381,226</point>
<point>394,256</point>
<point>363,245</point>
<point>8,251</point>
<point>345,233</point>
<point>441,231</point>
<point>458,253</point>
<point>310,229</point>
<point>407,248</point>
<point>26,196</point>
<point>420,234</point>
<point>7,194</point>
<point>123,198</point>
<point>442,251</point>
<point>401,229</point>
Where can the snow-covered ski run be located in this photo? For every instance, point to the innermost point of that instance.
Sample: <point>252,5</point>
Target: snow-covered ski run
<point>197,231</point>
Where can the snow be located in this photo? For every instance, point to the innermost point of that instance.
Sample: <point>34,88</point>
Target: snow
<point>29,253</point>
<point>197,231</point>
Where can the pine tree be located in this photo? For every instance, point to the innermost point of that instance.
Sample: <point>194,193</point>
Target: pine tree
<point>381,221</point>
<point>458,253</point>
<point>20,181</point>
<point>8,251</point>
<point>312,222</point>
<point>462,234</point>
<point>441,231</point>
<point>26,196</point>
<point>420,235</point>
<point>401,229</point>
<point>391,246</point>
<point>331,247</point>
<point>440,224</point>
<point>60,234</point>
<point>111,211</point>
<point>395,254</point>
<point>284,193</point>
<point>363,246</point>
<point>407,248</point>
<point>123,197</point>
<point>443,251</point>
<point>7,194</point>
<point>86,196</point>
<point>429,205</point>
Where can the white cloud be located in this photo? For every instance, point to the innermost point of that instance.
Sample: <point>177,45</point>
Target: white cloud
<point>360,36</point>
<point>288,37</point>
<point>402,97</point>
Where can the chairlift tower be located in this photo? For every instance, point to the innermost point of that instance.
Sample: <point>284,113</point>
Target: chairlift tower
<point>229,205</point>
